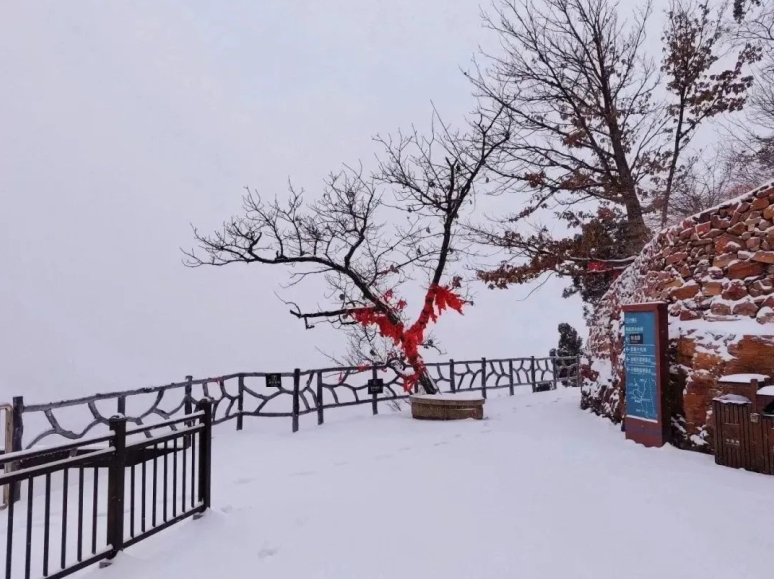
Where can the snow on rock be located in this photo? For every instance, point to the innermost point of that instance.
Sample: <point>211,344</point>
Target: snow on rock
<point>716,272</point>
<point>457,396</point>
<point>743,378</point>
<point>733,399</point>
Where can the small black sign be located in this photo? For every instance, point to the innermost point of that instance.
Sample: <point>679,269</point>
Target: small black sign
<point>375,386</point>
<point>274,380</point>
<point>542,387</point>
<point>635,338</point>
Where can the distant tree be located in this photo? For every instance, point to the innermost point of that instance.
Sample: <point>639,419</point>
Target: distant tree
<point>753,138</point>
<point>593,140</point>
<point>367,235</point>
<point>694,41</point>
<point>708,180</point>
<point>755,21</point>
<point>742,7</point>
<point>570,346</point>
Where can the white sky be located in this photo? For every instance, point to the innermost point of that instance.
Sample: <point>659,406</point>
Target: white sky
<point>123,122</point>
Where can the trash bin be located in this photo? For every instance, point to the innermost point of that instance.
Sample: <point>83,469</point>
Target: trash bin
<point>744,425</point>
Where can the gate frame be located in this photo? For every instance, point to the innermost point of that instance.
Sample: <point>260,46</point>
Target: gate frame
<point>8,422</point>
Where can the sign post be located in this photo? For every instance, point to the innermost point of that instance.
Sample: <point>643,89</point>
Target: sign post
<point>646,335</point>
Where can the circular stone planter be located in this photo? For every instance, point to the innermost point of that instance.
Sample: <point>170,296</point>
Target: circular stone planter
<point>447,406</point>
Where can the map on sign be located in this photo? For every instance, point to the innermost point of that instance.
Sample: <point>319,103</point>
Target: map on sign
<point>640,364</point>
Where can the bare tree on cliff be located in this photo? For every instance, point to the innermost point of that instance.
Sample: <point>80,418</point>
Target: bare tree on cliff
<point>369,234</point>
<point>593,141</point>
<point>710,179</point>
<point>694,41</point>
<point>753,140</point>
<point>755,20</point>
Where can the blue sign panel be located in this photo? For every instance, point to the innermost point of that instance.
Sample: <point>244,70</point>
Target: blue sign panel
<point>640,363</point>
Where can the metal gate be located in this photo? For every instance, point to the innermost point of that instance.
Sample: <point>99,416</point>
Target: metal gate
<point>743,438</point>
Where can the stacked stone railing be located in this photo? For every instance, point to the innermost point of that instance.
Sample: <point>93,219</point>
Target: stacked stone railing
<point>716,272</point>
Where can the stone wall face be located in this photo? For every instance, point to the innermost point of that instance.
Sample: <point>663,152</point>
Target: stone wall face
<point>716,272</point>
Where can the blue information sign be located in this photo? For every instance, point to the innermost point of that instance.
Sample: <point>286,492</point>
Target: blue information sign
<point>640,362</point>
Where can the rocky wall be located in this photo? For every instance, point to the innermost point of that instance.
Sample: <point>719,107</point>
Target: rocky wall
<point>716,272</point>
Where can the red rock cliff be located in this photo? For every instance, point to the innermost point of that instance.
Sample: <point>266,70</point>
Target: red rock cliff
<point>716,272</point>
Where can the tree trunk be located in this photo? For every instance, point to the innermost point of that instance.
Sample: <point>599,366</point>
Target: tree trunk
<point>639,234</point>
<point>427,384</point>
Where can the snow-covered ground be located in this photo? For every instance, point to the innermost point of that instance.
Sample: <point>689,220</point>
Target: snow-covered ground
<point>537,490</point>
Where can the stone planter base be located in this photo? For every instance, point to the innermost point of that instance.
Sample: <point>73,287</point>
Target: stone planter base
<point>447,407</point>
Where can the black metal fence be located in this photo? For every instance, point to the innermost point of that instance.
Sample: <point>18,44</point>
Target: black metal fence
<point>278,395</point>
<point>157,473</point>
<point>158,480</point>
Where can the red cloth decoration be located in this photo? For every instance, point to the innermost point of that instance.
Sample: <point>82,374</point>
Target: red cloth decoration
<point>437,300</point>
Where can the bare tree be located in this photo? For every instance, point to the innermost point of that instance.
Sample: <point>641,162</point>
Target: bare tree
<point>755,20</point>
<point>579,87</point>
<point>708,180</point>
<point>694,40</point>
<point>594,140</point>
<point>368,235</point>
<point>753,138</point>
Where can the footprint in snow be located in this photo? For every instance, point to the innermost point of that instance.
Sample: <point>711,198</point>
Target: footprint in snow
<point>442,443</point>
<point>244,481</point>
<point>303,473</point>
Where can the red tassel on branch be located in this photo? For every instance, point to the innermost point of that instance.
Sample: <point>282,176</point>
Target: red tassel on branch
<point>409,340</point>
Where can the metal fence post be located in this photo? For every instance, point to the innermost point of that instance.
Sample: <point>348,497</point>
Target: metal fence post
<point>17,441</point>
<point>116,471</point>
<point>205,453</point>
<point>188,401</point>
<point>510,376</point>
<point>296,388</point>
<point>532,373</point>
<point>188,406</point>
<point>483,377</point>
<point>577,370</point>
<point>452,383</point>
<point>121,405</point>
<point>320,405</point>
<point>375,397</point>
<point>8,435</point>
<point>241,402</point>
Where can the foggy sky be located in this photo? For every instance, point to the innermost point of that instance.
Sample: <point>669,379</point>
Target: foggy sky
<point>124,122</point>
